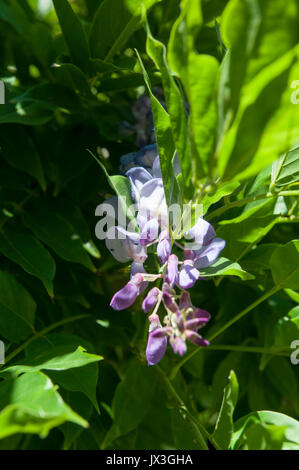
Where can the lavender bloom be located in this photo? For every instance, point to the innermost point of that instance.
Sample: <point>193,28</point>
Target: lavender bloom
<point>149,232</point>
<point>208,254</point>
<point>150,300</point>
<point>188,275</point>
<point>135,269</point>
<point>183,319</point>
<point>164,247</point>
<point>171,276</point>
<point>126,296</point>
<point>195,338</point>
<point>202,233</point>
<point>156,345</point>
<point>178,345</point>
<point>124,245</point>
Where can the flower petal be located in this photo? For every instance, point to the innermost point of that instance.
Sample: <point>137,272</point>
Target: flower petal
<point>207,255</point>
<point>188,275</point>
<point>202,233</point>
<point>125,297</point>
<point>150,300</point>
<point>171,276</point>
<point>138,176</point>
<point>149,232</point>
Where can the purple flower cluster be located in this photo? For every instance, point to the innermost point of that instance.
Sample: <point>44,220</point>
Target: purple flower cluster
<point>182,320</point>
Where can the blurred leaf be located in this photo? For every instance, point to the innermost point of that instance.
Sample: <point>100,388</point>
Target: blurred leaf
<point>73,33</point>
<point>29,253</point>
<point>131,401</point>
<point>59,234</point>
<point>18,149</point>
<point>284,265</point>
<point>224,427</point>
<point>110,32</point>
<point>17,309</point>
<point>286,329</point>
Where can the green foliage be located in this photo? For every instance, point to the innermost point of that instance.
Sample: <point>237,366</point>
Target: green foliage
<point>220,77</point>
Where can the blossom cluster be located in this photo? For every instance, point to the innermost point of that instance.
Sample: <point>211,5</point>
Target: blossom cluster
<point>177,272</point>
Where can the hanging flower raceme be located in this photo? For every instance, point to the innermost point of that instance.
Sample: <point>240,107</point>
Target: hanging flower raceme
<point>178,271</point>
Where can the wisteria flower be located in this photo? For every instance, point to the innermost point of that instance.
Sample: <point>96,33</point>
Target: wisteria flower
<point>177,273</point>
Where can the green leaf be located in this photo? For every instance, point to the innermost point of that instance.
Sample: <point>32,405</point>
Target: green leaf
<point>73,33</point>
<point>20,152</point>
<point>177,112</point>
<point>59,358</point>
<point>109,31</point>
<point>80,376</point>
<point>131,401</point>
<point>216,195</point>
<point>28,252</point>
<point>224,427</point>
<point>261,436</point>
<point>225,267</point>
<point>266,108</point>
<point>17,309</point>
<point>285,171</point>
<point>198,73</point>
<point>240,235</point>
<point>71,76</point>
<point>59,234</point>
<point>284,264</point>
<point>257,33</point>
<point>31,404</point>
<point>27,113</point>
<point>281,374</point>
<point>268,418</point>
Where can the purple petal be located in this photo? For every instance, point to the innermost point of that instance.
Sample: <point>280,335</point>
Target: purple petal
<point>164,247</point>
<point>146,156</point>
<point>178,345</point>
<point>189,254</point>
<point>202,233</point>
<point>150,300</point>
<point>195,338</point>
<point>188,275</point>
<point>152,203</point>
<point>207,255</point>
<point>125,297</point>
<point>185,301</point>
<point>138,176</point>
<point>156,170</point>
<point>149,232</point>
<point>135,269</point>
<point>195,323</point>
<point>171,276</point>
<point>156,346</point>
